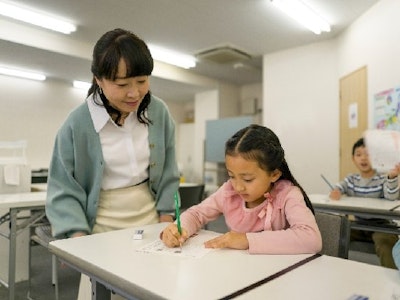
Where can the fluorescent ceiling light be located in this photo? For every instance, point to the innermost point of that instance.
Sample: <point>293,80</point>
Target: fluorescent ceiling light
<point>83,85</point>
<point>171,57</point>
<point>22,74</point>
<point>303,14</point>
<point>35,17</point>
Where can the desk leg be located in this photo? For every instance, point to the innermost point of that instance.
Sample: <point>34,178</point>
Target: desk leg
<point>99,291</point>
<point>12,254</point>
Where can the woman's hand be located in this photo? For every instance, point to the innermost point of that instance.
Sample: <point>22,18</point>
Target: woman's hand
<point>233,240</point>
<point>165,218</point>
<point>335,194</point>
<point>171,237</point>
<point>78,234</point>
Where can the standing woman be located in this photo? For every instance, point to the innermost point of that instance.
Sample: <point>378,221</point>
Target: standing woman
<point>113,163</point>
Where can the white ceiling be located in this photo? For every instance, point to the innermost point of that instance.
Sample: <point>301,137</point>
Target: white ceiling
<point>253,26</point>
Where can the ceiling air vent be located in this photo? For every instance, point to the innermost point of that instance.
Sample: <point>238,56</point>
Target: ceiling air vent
<point>223,55</point>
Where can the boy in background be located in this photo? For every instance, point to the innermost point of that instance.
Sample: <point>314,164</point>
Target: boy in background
<point>370,184</point>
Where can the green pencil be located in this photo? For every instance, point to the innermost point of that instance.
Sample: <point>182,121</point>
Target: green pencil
<point>177,213</point>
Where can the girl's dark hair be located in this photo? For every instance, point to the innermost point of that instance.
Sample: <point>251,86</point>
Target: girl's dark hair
<point>113,46</point>
<point>260,144</point>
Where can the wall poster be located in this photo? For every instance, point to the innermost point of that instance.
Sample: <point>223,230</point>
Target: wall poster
<point>387,109</point>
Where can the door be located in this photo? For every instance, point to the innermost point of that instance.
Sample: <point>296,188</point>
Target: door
<point>353,116</point>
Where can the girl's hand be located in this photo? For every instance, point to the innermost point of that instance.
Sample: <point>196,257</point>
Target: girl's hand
<point>335,194</point>
<point>394,172</point>
<point>233,240</point>
<point>171,237</point>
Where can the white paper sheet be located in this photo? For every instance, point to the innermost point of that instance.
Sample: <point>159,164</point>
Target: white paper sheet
<point>383,148</point>
<point>193,247</point>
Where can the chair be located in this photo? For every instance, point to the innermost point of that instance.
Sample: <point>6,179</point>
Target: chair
<point>190,194</point>
<point>335,232</point>
<point>363,251</point>
<point>42,236</point>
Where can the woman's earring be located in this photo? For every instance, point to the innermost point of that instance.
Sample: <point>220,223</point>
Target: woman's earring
<point>100,90</point>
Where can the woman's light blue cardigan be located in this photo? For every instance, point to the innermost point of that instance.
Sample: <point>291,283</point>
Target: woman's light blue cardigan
<point>76,169</point>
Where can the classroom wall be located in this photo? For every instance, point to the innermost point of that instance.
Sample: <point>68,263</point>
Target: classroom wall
<point>33,111</point>
<point>301,86</point>
<point>206,108</point>
<point>229,97</point>
<point>301,107</point>
<point>373,41</point>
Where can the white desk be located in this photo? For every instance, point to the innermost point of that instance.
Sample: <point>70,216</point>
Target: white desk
<point>15,204</point>
<point>331,278</point>
<point>362,207</point>
<point>110,259</point>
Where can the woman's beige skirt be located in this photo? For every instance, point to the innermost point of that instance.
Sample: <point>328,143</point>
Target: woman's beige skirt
<point>119,209</point>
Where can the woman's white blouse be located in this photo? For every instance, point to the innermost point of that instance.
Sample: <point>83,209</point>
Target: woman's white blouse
<point>125,148</point>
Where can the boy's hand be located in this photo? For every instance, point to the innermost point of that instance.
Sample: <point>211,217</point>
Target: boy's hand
<point>394,172</point>
<point>233,240</point>
<point>335,194</point>
<point>171,237</point>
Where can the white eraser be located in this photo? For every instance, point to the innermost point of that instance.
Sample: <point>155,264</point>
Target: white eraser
<point>138,235</point>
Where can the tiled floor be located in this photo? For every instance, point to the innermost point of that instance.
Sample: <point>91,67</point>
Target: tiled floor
<point>364,257</point>
<point>41,285</point>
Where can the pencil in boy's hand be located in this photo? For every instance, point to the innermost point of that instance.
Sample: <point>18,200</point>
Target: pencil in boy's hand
<point>326,180</point>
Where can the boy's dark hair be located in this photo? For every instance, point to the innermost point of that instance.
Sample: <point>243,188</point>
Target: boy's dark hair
<point>260,144</point>
<point>358,144</point>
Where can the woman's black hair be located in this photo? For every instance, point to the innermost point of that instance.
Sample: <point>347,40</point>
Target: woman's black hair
<point>113,46</point>
<point>260,144</point>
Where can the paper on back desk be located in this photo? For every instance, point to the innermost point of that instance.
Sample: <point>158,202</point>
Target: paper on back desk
<point>383,148</point>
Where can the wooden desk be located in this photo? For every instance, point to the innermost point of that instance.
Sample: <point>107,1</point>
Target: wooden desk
<point>331,278</point>
<point>16,204</point>
<point>110,259</point>
<point>361,207</point>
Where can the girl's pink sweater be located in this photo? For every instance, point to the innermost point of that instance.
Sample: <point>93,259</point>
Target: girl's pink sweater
<point>282,224</point>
